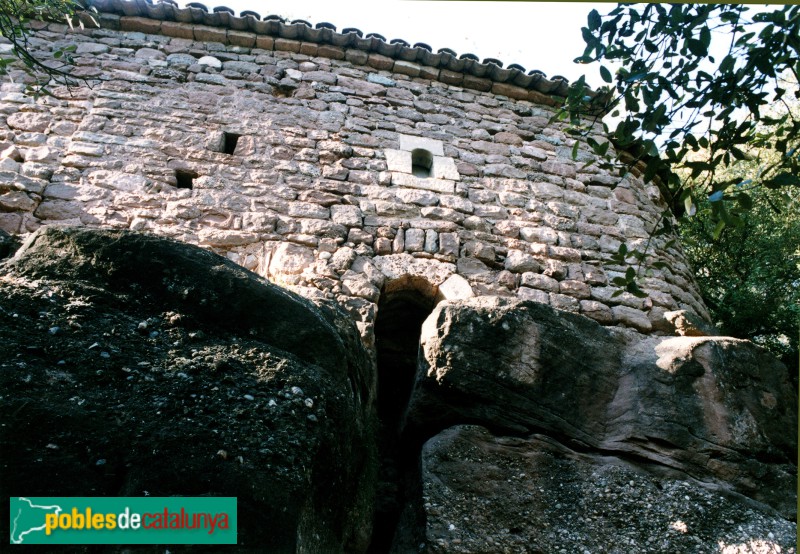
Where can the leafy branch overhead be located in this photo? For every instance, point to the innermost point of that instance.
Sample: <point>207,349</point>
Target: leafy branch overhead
<point>680,105</point>
<point>17,18</point>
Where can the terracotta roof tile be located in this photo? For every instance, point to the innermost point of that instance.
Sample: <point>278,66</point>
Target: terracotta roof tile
<point>445,61</point>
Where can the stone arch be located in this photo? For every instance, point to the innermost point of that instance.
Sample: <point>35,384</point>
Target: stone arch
<point>421,162</point>
<point>404,304</point>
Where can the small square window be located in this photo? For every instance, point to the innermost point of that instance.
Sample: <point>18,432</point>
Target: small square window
<point>229,142</point>
<point>185,178</point>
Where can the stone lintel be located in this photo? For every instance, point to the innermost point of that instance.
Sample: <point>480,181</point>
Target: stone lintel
<point>437,185</point>
<point>409,143</point>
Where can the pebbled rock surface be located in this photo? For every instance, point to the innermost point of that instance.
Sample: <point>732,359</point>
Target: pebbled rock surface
<point>134,365</point>
<point>713,409</point>
<point>488,494</point>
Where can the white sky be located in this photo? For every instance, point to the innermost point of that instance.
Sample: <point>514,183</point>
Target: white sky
<point>536,35</point>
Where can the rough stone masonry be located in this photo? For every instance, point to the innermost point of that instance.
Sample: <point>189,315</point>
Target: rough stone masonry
<point>291,150</point>
<point>433,198</point>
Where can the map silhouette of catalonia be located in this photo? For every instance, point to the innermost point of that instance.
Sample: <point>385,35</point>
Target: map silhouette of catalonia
<point>28,517</point>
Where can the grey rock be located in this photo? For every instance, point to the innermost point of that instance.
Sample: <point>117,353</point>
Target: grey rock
<point>687,324</point>
<point>210,61</point>
<point>150,54</point>
<point>415,240</point>
<point>431,241</point>
<point>492,493</point>
<point>381,80</point>
<point>274,342</point>
<point>633,317</point>
<point>92,48</point>
<point>719,409</point>
<point>520,262</point>
<point>181,59</point>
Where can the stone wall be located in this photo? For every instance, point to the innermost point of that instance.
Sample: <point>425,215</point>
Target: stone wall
<point>299,159</point>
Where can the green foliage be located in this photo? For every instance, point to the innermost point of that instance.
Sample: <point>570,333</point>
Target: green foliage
<point>15,19</point>
<point>720,127</point>
<point>676,101</point>
<point>749,275</point>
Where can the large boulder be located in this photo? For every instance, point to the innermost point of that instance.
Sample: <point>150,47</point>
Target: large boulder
<point>133,365</point>
<point>715,409</point>
<point>485,494</point>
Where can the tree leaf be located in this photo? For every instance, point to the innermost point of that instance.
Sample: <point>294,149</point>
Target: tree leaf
<point>782,180</point>
<point>691,209</point>
<point>718,229</point>
<point>594,20</point>
<point>605,74</point>
<point>745,201</point>
<point>697,47</point>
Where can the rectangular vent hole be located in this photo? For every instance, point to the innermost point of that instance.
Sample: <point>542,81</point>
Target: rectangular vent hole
<point>185,178</point>
<point>231,139</point>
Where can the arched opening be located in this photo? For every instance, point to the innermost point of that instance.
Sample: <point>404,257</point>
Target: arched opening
<point>421,162</point>
<point>402,308</point>
<point>397,331</point>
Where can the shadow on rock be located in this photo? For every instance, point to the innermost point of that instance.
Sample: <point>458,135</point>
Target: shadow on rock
<point>134,365</point>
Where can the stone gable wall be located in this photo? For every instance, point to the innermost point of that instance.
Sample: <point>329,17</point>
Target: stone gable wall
<point>319,192</point>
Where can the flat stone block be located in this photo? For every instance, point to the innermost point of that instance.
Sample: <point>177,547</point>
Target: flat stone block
<point>444,168</point>
<point>427,72</point>
<point>356,57</point>
<point>309,48</point>
<point>415,240</point>
<point>524,293</point>
<point>330,51</point>
<point>451,77</point>
<point>409,143</point>
<point>633,318</point>
<point>437,185</point>
<point>140,25</point>
<point>287,45</point>
<point>203,33</point>
<point>407,68</point>
<point>379,61</point>
<point>597,311</point>
<point>242,38</point>
<point>177,30</point>
<point>539,98</point>
<point>541,282</point>
<point>265,43</point>
<point>398,160</point>
<point>455,287</point>
<point>512,91</point>
<point>477,83</point>
<point>563,302</point>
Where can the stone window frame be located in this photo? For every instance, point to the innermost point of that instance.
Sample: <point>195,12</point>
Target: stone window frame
<point>400,162</point>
